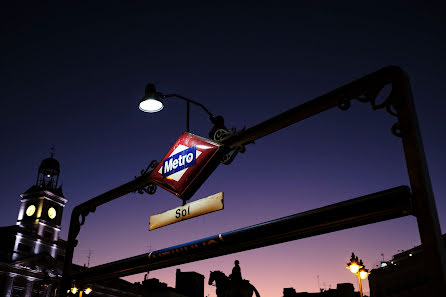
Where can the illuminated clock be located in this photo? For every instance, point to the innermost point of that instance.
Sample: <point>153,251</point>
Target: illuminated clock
<point>30,210</point>
<point>52,213</point>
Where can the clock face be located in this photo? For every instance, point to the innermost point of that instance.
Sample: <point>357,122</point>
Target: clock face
<point>30,210</point>
<point>52,213</point>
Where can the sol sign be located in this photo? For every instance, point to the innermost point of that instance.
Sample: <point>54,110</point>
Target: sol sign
<point>187,164</point>
<point>187,211</point>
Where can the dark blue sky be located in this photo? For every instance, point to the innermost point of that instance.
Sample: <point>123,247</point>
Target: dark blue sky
<point>72,74</point>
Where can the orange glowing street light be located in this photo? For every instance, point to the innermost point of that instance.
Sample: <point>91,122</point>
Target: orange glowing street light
<point>75,290</point>
<point>363,273</point>
<point>357,267</point>
<point>88,290</point>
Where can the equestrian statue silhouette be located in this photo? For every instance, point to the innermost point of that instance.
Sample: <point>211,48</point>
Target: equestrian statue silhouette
<point>232,286</point>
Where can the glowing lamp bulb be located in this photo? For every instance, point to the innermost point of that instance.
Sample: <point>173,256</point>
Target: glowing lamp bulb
<point>48,175</point>
<point>74,290</point>
<point>354,268</point>
<point>88,290</point>
<point>363,274</point>
<point>150,105</point>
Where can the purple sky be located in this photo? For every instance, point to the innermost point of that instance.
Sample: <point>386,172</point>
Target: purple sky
<point>72,75</point>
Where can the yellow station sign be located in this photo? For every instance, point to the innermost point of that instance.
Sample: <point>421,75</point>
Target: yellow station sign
<point>188,211</point>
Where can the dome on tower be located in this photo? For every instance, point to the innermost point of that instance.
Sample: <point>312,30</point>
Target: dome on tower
<point>48,175</point>
<point>50,166</point>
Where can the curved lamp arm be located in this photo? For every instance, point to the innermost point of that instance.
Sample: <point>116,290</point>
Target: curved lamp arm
<point>191,101</point>
<point>156,98</point>
<point>218,121</point>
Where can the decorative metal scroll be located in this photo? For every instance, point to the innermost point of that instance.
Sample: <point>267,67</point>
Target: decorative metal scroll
<point>230,156</point>
<point>150,188</point>
<point>370,95</point>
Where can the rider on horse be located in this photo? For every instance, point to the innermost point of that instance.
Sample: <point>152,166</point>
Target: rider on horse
<point>236,275</point>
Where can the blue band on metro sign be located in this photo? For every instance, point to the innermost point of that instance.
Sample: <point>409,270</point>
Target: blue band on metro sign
<point>179,161</point>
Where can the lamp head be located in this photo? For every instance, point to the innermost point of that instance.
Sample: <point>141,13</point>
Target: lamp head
<point>88,290</point>
<point>363,273</point>
<point>74,289</point>
<point>353,267</point>
<point>152,100</point>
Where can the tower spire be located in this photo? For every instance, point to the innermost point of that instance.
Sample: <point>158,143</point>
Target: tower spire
<point>52,150</point>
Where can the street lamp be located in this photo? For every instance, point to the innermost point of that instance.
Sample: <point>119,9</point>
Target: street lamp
<point>74,290</point>
<point>357,267</point>
<point>153,101</point>
<point>88,290</point>
<point>363,273</point>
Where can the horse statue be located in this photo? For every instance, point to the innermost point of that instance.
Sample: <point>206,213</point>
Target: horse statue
<point>228,288</point>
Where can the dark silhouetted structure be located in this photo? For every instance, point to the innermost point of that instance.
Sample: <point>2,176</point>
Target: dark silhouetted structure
<point>236,274</point>
<point>228,288</point>
<point>403,276</point>
<point>190,283</point>
<point>152,287</point>
<point>342,290</point>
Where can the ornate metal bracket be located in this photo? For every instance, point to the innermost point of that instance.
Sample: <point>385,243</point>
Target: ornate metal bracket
<point>150,188</point>
<point>79,221</point>
<point>370,95</point>
<point>81,211</point>
<point>85,212</point>
<point>229,157</point>
<point>220,135</point>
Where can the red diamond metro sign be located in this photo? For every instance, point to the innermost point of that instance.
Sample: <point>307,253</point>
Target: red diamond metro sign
<point>187,165</point>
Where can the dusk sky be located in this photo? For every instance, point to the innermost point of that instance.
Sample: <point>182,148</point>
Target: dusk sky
<point>72,76</point>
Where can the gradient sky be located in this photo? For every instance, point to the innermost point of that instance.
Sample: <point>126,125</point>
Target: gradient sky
<point>72,74</point>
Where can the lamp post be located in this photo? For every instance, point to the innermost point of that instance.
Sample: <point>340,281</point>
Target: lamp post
<point>152,102</point>
<point>357,267</point>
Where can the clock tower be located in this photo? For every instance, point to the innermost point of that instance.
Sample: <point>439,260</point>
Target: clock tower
<point>40,214</point>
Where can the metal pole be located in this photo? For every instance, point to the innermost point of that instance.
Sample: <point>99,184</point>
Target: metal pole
<point>434,251</point>
<point>187,116</point>
<point>372,208</point>
<point>400,99</point>
<point>360,285</point>
<point>307,109</point>
<point>82,210</point>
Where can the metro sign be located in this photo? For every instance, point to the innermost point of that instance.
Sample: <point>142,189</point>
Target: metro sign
<point>180,161</point>
<point>187,165</point>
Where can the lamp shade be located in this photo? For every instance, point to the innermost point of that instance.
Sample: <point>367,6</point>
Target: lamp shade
<point>151,102</point>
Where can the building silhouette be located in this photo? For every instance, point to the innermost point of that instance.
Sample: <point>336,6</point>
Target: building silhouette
<point>403,276</point>
<point>190,283</point>
<point>342,290</point>
<point>32,254</point>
